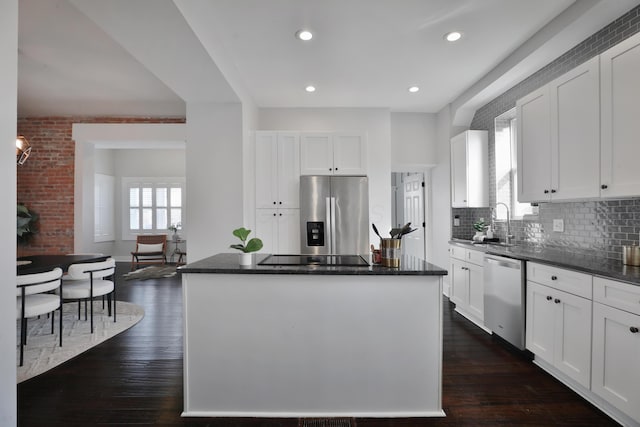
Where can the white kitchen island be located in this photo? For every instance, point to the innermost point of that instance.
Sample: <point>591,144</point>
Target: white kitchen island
<point>312,341</point>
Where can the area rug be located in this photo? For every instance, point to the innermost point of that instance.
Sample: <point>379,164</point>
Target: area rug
<point>43,352</point>
<point>152,272</point>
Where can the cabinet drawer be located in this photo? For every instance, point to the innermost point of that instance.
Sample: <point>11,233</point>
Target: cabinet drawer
<point>617,294</point>
<point>458,252</point>
<point>565,280</point>
<point>475,257</point>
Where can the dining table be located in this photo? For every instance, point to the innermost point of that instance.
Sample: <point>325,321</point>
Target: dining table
<point>40,263</point>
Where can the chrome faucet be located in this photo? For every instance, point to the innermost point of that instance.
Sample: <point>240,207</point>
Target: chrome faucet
<point>509,236</point>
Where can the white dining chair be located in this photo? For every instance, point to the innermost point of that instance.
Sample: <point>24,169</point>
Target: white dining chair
<point>85,281</point>
<point>34,298</point>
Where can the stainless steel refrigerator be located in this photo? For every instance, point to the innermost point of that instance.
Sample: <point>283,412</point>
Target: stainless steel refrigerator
<point>334,215</point>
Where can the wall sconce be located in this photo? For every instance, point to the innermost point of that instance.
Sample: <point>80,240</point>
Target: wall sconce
<point>23,149</point>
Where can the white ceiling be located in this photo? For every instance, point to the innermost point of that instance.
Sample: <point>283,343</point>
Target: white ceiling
<point>146,57</point>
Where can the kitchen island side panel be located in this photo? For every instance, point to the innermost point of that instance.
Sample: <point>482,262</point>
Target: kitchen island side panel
<point>313,345</point>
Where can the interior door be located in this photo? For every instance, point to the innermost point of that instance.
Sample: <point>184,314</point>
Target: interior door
<point>413,243</point>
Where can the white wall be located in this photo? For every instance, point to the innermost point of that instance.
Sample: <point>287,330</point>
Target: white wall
<point>8,120</point>
<point>440,212</point>
<point>214,174</point>
<point>413,141</point>
<point>375,122</point>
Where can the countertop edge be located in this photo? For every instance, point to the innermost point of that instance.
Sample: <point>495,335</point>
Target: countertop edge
<point>227,263</point>
<point>605,268</point>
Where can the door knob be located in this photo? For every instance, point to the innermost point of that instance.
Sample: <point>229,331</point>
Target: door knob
<point>546,191</point>
<point>634,330</point>
<point>557,301</point>
<point>549,297</point>
<point>554,277</point>
<point>604,186</point>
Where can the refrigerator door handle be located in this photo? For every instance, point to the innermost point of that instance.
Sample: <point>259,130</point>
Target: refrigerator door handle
<point>328,234</point>
<point>333,225</point>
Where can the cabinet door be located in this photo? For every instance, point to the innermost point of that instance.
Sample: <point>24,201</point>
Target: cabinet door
<point>575,133</point>
<point>534,146</point>
<point>266,170</point>
<point>267,229</point>
<point>288,231</point>
<point>459,283</point>
<point>349,154</point>
<point>572,347</point>
<point>459,171</point>
<point>540,321</point>
<point>620,109</point>
<point>316,154</point>
<point>476,290</point>
<point>288,170</point>
<point>616,351</point>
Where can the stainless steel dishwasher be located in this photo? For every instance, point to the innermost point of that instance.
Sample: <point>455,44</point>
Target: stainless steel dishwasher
<point>504,298</point>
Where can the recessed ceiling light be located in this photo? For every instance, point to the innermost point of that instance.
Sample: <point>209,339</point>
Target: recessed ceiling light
<point>453,36</point>
<point>310,88</point>
<point>413,89</point>
<point>304,35</point>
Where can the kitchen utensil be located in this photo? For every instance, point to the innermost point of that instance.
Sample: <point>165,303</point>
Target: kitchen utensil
<point>375,230</point>
<point>395,233</point>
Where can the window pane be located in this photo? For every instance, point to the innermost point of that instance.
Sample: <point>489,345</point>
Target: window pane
<point>161,219</point>
<point>161,197</point>
<point>176,216</point>
<point>134,219</point>
<point>176,197</point>
<point>147,219</point>
<point>147,197</point>
<point>134,197</point>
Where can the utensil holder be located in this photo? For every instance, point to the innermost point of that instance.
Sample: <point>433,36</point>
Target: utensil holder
<point>390,252</point>
<point>631,255</point>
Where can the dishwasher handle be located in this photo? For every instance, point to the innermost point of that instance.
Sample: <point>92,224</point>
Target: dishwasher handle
<point>503,262</point>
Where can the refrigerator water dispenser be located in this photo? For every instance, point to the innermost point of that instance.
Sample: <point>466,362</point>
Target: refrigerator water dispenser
<point>315,233</point>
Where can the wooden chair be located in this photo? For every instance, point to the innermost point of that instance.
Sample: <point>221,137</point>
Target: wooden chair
<point>150,249</point>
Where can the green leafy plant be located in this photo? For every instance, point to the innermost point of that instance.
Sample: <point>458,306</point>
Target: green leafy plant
<point>252,245</point>
<point>480,225</point>
<point>26,223</point>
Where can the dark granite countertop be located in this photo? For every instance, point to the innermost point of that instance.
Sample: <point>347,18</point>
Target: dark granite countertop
<point>227,263</point>
<point>597,266</point>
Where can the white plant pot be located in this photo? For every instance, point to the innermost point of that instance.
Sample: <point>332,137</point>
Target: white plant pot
<point>245,258</point>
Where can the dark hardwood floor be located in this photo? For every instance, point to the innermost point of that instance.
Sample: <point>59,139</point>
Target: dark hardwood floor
<point>135,379</point>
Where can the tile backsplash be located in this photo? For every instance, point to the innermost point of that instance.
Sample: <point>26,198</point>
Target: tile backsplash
<point>600,226</point>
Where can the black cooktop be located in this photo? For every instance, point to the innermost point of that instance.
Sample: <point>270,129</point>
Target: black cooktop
<point>342,260</point>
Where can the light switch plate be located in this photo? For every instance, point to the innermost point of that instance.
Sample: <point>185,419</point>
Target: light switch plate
<point>558,225</point>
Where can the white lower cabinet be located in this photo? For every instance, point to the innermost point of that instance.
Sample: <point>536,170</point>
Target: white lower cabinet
<point>616,345</point>
<point>467,283</point>
<point>279,230</point>
<point>559,330</point>
<point>585,330</point>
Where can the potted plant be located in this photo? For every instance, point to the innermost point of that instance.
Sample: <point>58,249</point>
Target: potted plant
<point>245,247</point>
<point>480,228</point>
<point>174,228</point>
<point>26,223</point>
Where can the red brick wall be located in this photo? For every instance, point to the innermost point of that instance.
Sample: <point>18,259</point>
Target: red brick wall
<point>45,182</point>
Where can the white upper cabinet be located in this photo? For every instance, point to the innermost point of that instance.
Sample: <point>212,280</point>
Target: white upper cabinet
<point>470,169</point>
<point>277,169</point>
<point>335,153</point>
<point>620,112</point>
<point>575,133</point>
<point>558,138</point>
<point>533,146</point>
